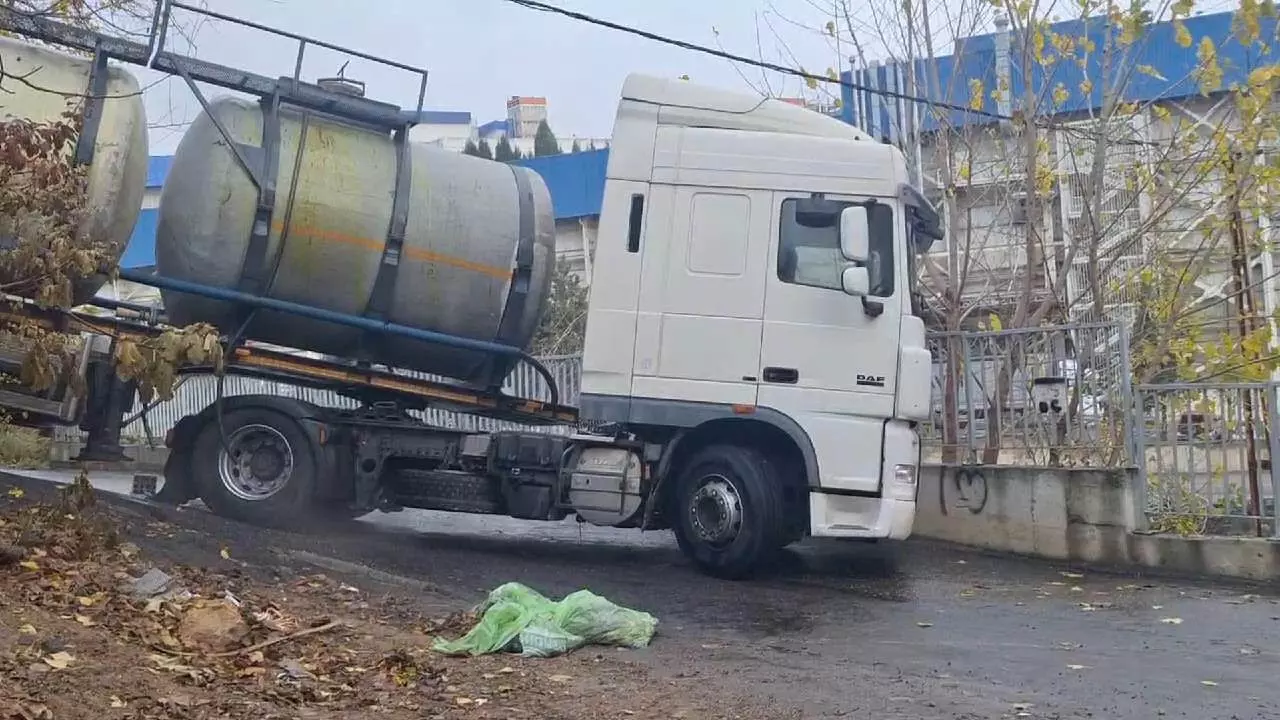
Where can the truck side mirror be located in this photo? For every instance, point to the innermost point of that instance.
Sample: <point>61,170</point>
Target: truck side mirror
<point>856,281</point>
<point>855,234</point>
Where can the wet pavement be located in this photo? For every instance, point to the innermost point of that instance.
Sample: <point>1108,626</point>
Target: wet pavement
<point>913,630</point>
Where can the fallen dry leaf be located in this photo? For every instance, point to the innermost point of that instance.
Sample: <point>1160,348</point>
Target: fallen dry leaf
<point>225,553</point>
<point>1208,683</point>
<point>924,624</point>
<point>559,678</point>
<point>85,620</point>
<point>1077,667</point>
<point>16,492</point>
<point>1171,621</point>
<point>59,660</point>
<point>27,629</point>
<point>117,702</point>
<point>1073,576</point>
<point>31,565</point>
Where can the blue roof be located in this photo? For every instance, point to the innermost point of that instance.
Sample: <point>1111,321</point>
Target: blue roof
<point>575,180</point>
<point>157,169</point>
<point>493,126</point>
<point>141,250</point>
<point>440,117</point>
<point>1169,78</point>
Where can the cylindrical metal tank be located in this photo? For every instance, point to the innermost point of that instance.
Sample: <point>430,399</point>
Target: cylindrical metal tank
<point>52,83</point>
<point>466,220</point>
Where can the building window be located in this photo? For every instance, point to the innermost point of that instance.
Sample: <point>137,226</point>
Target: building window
<point>811,255</point>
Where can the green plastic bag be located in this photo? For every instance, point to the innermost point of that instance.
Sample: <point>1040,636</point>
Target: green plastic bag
<point>516,618</point>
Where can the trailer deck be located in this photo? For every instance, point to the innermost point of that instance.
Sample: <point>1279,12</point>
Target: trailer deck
<point>367,384</point>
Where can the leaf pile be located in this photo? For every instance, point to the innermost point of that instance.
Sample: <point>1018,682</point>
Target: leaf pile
<point>99,630</point>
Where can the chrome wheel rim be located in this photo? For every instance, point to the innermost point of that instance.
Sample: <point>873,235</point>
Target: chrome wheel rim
<point>256,463</point>
<point>715,511</point>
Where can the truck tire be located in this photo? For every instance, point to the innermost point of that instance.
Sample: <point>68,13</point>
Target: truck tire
<point>269,478</point>
<point>729,510</point>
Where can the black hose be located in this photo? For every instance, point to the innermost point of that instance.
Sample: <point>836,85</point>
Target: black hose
<point>238,336</point>
<point>542,370</point>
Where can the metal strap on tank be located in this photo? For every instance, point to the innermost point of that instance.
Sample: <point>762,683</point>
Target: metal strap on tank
<point>384,283</point>
<point>253,272</point>
<point>96,97</point>
<point>522,275</point>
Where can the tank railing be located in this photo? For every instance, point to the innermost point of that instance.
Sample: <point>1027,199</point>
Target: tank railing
<point>337,318</point>
<point>303,43</point>
<point>153,55</point>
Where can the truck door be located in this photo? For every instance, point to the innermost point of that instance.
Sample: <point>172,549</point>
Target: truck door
<point>702,296</point>
<point>827,360</point>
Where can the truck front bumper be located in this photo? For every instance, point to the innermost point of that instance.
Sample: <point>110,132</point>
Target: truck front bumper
<point>889,516</point>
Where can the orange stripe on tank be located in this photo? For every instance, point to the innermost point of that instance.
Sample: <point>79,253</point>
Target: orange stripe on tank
<point>409,252</point>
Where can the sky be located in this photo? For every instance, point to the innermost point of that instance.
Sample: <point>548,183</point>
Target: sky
<point>480,52</point>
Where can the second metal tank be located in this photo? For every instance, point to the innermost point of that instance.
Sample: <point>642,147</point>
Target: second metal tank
<point>466,221</point>
<point>51,83</point>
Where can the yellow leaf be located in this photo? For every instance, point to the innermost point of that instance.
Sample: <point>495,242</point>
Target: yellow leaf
<point>225,553</point>
<point>27,630</point>
<point>1208,683</point>
<point>29,565</point>
<point>1060,94</point>
<point>996,324</point>
<point>975,94</point>
<point>59,660</point>
<point>1150,71</point>
<point>830,27</point>
<point>85,601</point>
<point>16,492</point>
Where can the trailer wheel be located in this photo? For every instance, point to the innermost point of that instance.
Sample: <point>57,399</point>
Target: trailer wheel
<point>729,510</point>
<point>268,477</point>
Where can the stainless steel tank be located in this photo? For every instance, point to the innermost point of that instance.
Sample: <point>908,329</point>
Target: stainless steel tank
<point>117,175</point>
<point>463,230</point>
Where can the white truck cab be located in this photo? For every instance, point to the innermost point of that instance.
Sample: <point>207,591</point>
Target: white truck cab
<point>753,287</point>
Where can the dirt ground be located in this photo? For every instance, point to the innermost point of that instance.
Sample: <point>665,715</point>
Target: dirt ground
<point>81,637</point>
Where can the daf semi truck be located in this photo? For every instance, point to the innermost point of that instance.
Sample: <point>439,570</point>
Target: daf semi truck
<point>754,365</point>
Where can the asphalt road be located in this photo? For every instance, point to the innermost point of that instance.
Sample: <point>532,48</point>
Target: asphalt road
<point>917,631</point>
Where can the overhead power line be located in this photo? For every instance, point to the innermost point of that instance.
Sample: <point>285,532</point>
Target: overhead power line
<point>782,69</point>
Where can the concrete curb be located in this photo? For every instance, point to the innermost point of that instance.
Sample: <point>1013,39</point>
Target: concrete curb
<point>1086,516</point>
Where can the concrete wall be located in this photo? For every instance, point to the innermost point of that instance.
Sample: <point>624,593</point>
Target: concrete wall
<point>1077,515</point>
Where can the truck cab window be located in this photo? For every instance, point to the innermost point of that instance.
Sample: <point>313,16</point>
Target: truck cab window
<point>811,255</point>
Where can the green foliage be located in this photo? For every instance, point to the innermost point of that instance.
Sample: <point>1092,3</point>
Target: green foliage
<point>503,152</point>
<point>563,328</point>
<point>544,141</point>
<point>483,150</point>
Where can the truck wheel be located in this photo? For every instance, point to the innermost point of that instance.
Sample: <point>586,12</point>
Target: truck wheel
<point>729,510</point>
<point>268,477</point>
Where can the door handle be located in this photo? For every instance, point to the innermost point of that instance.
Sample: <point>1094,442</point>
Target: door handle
<point>788,376</point>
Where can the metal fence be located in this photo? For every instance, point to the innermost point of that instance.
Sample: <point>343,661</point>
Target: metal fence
<point>1206,454</point>
<point>1049,396</point>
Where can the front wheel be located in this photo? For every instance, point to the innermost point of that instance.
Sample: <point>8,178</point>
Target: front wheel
<point>729,510</point>
<point>265,473</point>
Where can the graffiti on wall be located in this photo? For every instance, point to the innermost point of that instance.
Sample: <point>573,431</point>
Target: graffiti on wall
<point>964,489</point>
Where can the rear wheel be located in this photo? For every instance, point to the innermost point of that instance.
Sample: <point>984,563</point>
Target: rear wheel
<point>266,473</point>
<point>729,510</point>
